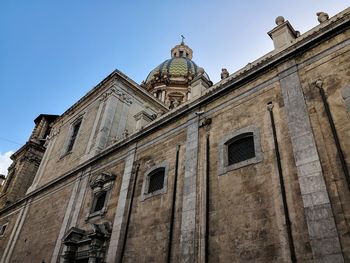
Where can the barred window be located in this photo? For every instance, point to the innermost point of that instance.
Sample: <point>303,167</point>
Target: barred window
<point>240,148</point>
<point>156,180</point>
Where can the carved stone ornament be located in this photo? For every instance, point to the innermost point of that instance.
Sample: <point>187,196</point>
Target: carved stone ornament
<point>100,180</point>
<point>87,245</point>
<point>123,96</point>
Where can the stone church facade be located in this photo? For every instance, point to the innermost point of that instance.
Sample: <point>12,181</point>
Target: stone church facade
<point>254,168</point>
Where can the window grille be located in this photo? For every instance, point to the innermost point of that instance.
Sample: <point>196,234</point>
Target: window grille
<point>100,202</point>
<point>241,148</point>
<point>73,136</point>
<point>156,180</point>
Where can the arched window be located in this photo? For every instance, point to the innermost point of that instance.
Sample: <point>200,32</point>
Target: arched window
<point>240,148</point>
<point>156,180</point>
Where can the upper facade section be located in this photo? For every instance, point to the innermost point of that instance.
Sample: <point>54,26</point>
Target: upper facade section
<point>176,80</point>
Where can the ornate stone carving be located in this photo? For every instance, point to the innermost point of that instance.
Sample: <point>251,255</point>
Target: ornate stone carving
<point>97,182</point>
<point>77,240</point>
<point>123,96</point>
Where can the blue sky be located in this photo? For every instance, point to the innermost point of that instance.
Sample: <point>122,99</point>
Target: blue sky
<point>53,52</point>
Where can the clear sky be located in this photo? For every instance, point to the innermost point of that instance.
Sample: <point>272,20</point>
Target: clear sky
<point>53,52</point>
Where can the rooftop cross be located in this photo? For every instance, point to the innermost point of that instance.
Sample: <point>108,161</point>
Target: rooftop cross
<point>182,41</point>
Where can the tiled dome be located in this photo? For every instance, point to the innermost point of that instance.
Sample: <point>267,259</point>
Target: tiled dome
<point>176,67</point>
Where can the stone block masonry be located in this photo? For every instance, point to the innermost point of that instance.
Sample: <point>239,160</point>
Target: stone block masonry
<point>118,231</point>
<point>322,230</point>
<point>188,221</point>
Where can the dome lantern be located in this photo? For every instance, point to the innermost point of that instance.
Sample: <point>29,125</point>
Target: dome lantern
<point>181,50</point>
<point>171,81</point>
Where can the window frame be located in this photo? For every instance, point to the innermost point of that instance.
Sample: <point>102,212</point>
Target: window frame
<point>101,183</point>
<point>223,165</point>
<point>237,139</point>
<point>95,199</point>
<point>67,143</point>
<point>2,230</point>
<point>153,173</point>
<point>146,179</point>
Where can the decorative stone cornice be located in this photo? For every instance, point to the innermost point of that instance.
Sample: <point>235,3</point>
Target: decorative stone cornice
<point>119,93</point>
<point>98,181</point>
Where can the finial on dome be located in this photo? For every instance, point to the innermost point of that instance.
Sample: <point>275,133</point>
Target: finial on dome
<point>182,41</point>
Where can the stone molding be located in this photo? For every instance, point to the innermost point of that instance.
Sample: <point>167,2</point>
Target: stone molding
<point>119,93</point>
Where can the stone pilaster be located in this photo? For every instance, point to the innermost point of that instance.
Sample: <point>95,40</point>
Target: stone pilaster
<point>123,120</point>
<point>94,127</point>
<point>188,220</point>
<point>106,123</point>
<point>322,230</point>
<point>118,231</point>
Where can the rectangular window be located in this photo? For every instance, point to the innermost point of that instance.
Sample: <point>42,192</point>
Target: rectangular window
<point>3,229</point>
<point>73,137</point>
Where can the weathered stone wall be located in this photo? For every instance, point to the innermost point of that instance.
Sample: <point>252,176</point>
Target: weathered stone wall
<point>332,68</point>
<point>42,219</point>
<point>246,212</point>
<point>116,169</point>
<point>245,205</point>
<point>10,218</point>
<point>148,233</point>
